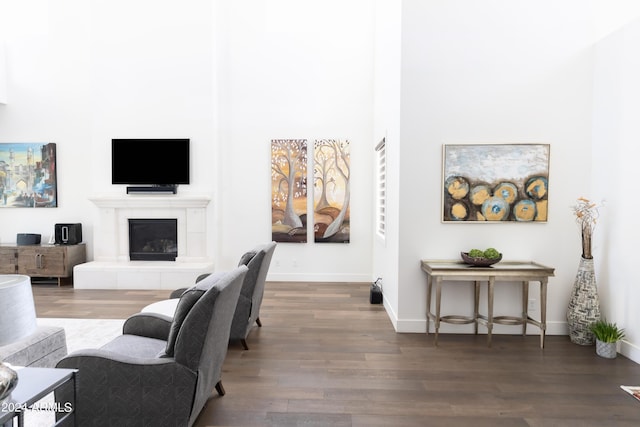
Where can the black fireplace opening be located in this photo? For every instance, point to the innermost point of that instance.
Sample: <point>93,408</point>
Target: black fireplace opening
<point>153,239</point>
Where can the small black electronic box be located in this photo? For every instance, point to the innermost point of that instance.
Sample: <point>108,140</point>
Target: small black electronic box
<point>68,234</point>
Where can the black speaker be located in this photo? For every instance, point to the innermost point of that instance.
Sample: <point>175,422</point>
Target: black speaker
<point>375,294</point>
<point>68,234</point>
<point>28,239</point>
<point>169,189</point>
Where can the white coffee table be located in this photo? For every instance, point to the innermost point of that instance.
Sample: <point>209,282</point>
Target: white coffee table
<point>166,307</point>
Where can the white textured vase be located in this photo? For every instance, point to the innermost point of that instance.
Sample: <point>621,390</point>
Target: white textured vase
<point>584,305</point>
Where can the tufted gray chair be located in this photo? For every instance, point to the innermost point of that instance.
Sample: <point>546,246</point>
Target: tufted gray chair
<point>161,370</point>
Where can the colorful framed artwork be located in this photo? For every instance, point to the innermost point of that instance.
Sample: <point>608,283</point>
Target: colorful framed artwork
<point>332,191</point>
<point>28,175</point>
<point>289,190</point>
<point>495,183</point>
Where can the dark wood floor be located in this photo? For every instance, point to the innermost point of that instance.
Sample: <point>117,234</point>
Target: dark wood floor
<point>67,302</point>
<point>326,357</point>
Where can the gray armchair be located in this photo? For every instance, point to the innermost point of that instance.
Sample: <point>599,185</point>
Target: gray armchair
<point>160,371</point>
<point>248,308</point>
<point>247,312</point>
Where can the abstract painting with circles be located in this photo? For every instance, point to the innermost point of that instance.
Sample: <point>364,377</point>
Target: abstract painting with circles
<point>495,182</point>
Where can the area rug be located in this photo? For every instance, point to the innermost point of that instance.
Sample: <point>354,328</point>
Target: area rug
<point>80,334</point>
<point>86,333</point>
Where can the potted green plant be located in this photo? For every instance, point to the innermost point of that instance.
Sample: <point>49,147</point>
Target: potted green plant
<point>607,335</point>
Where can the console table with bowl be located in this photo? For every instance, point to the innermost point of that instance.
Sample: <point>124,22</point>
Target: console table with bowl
<point>34,384</point>
<point>452,271</point>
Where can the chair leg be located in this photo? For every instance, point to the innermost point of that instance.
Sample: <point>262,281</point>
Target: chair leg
<point>220,389</point>
<point>244,344</point>
<point>258,322</point>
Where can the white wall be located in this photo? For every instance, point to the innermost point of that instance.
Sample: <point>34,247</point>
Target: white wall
<point>3,75</point>
<point>151,76</point>
<point>492,72</point>
<point>80,73</point>
<point>387,84</point>
<point>289,69</point>
<point>229,75</point>
<point>46,61</point>
<point>616,131</point>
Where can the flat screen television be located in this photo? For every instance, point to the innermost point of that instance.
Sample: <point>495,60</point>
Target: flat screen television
<point>153,162</point>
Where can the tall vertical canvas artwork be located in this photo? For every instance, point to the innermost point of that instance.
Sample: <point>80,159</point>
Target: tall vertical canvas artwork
<point>331,175</point>
<point>495,182</point>
<point>28,175</point>
<point>289,190</point>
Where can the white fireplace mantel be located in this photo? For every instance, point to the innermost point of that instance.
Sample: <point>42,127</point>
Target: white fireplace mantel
<point>112,237</point>
<point>111,248</point>
<point>150,202</point>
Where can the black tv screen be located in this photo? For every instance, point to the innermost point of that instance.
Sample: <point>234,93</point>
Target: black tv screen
<point>150,161</point>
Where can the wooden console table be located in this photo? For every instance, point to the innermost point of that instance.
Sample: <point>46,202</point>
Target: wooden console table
<point>504,271</point>
<point>42,260</point>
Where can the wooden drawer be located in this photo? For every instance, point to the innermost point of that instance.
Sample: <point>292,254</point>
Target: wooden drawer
<point>42,262</point>
<point>8,260</point>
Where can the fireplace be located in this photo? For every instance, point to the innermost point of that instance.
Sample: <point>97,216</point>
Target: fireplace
<point>112,267</point>
<point>153,239</point>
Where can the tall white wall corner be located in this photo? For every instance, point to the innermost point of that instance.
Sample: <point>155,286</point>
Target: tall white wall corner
<point>3,74</point>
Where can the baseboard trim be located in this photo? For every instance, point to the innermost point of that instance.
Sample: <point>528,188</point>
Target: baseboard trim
<point>319,277</point>
<point>630,351</point>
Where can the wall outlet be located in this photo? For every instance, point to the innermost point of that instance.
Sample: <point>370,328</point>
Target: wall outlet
<point>294,263</point>
<point>532,306</point>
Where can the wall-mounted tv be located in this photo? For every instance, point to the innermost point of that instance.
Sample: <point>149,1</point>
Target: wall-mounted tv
<point>154,162</point>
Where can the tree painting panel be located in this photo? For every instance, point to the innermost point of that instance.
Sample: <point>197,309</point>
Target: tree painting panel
<point>289,190</point>
<point>495,182</point>
<point>28,175</point>
<point>331,174</point>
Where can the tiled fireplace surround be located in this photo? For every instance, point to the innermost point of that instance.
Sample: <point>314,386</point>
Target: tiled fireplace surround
<point>112,269</point>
